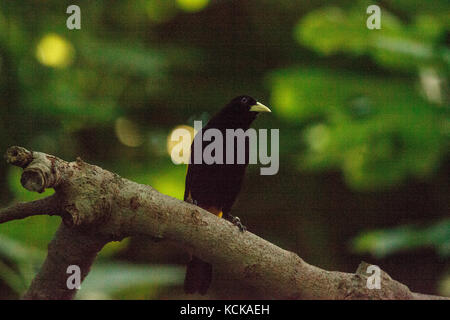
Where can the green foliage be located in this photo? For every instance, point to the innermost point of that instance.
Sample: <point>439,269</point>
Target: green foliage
<point>377,132</point>
<point>396,45</point>
<point>381,243</point>
<point>26,259</point>
<point>107,281</point>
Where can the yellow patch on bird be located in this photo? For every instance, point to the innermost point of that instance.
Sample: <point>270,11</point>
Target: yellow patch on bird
<point>214,210</point>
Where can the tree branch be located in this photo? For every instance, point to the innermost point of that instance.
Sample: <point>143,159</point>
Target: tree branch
<point>98,206</point>
<point>68,247</point>
<point>48,206</point>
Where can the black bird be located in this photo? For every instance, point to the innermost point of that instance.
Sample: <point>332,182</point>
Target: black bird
<point>214,187</point>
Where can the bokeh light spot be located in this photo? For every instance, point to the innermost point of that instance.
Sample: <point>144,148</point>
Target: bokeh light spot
<point>431,85</point>
<point>192,5</point>
<point>318,137</point>
<point>285,99</point>
<point>128,133</point>
<point>55,51</point>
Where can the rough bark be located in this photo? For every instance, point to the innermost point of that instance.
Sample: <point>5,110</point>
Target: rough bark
<point>98,206</point>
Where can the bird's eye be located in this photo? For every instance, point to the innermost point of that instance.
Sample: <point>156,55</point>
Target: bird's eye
<point>244,100</point>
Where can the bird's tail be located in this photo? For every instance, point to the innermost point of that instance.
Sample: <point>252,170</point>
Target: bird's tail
<point>198,276</point>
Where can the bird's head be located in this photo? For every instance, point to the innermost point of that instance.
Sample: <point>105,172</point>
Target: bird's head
<point>241,111</point>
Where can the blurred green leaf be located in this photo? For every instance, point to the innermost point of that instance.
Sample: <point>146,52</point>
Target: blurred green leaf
<point>17,252</point>
<point>382,243</point>
<point>105,280</point>
<point>395,45</point>
<point>26,260</point>
<point>377,132</point>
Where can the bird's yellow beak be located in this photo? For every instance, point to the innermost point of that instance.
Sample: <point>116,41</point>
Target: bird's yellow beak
<point>259,107</point>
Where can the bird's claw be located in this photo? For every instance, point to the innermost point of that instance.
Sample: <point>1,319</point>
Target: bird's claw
<point>192,201</point>
<point>237,222</point>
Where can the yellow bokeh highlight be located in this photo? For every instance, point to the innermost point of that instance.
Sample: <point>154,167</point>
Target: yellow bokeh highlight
<point>128,133</point>
<point>113,247</point>
<point>284,98</point>
<point>180,137</point>
<point>55,51</point>
<point>192,5</point>
<point>318,137</point>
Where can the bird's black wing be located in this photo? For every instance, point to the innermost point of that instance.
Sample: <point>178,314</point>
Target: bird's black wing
<point>216,184</point>
<point>203,180</point>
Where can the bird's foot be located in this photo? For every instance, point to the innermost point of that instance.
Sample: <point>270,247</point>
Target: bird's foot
<point>194,202</point>
<point>237,222</point>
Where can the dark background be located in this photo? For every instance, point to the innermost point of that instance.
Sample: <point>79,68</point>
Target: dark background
<point>363,118</point>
